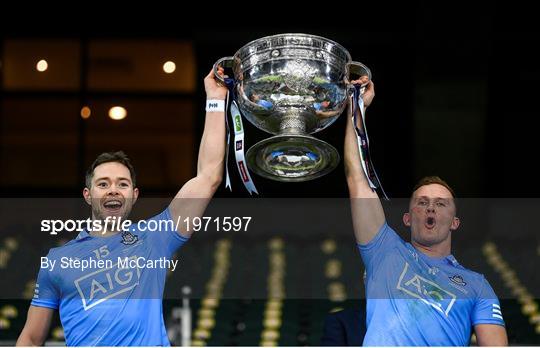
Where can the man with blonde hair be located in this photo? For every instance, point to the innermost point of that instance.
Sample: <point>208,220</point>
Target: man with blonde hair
<point>417,293</point>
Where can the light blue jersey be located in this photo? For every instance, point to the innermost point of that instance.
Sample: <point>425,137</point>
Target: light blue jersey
<point>417,300</point>
<point>119,301</point>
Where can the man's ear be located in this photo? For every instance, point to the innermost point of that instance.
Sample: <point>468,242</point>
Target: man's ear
<point>407,219</point>
<point>455,224</point>
<point>86,195</point>
<point>135,194</point>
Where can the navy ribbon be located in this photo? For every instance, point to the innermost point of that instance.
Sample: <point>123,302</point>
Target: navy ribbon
<point>363,142</point>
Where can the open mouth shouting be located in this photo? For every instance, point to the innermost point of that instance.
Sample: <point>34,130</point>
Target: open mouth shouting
<point>430,222</point>
<point>113,205</point>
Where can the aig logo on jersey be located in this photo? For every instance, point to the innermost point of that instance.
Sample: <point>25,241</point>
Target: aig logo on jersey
<point>426,290</point>
<point>106,283</point>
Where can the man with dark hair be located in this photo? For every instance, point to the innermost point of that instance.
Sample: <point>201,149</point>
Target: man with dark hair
<point>417,293</point>
<point>117,300</point>
<point>119,157</point>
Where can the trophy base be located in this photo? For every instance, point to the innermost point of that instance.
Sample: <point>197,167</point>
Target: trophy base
<point>292,158</point>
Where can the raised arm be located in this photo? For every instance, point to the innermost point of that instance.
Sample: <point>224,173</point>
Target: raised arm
<point>36,327</point>
<point>192,199</point>
<point>367,211</point>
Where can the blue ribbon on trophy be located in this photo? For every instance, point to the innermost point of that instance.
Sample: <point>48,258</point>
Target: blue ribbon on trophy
<point>241,164</point>
<point>229,83</point>
<point>363,141</point>
<point>232,108</point>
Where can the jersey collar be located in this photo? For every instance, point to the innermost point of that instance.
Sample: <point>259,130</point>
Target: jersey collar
<point>83,235</point>
<point>450,259</point>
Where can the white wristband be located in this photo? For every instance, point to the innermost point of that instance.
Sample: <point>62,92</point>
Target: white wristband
<point>215,105</point>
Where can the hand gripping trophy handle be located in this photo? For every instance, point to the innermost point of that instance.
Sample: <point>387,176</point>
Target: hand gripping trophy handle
<point>358,72</point>
<point>225,62</point>
<point>236,118</point>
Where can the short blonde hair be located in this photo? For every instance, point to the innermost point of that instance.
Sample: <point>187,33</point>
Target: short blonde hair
<point>428,180</point>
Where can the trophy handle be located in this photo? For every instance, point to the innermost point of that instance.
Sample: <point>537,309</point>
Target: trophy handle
<point>355,70</point>
<point>225,62</point>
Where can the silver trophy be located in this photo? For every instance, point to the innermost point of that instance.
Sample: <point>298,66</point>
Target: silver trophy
<point>292,85</point>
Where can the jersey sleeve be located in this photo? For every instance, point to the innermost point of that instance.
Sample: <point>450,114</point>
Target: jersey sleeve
<point>167,237</point>
<point>386,239</point>
<point>46,293</point>
<point>487,309</point>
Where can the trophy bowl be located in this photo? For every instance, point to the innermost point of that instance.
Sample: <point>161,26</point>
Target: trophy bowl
<point>291,86</point>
